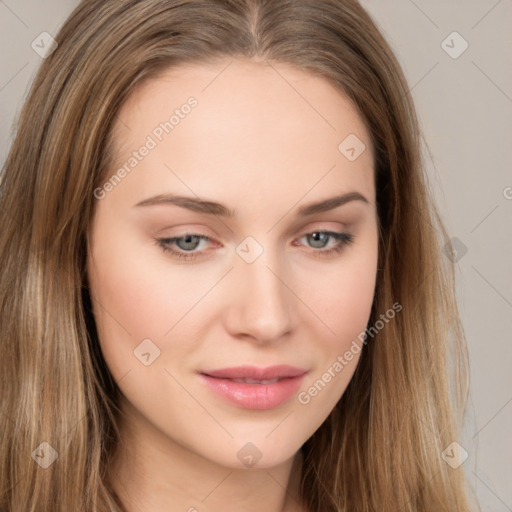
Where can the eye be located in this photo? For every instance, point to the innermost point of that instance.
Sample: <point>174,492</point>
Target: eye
<point>187,243</point>
<point>320,238</point>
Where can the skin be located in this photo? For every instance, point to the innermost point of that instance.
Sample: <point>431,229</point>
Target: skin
<point>263,140</point>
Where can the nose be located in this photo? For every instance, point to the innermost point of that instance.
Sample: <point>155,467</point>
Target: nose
<point>260,306</point>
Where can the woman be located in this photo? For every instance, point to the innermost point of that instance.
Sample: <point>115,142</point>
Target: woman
<point>295,357</point>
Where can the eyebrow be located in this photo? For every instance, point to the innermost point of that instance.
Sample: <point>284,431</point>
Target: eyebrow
<point>213,208</point>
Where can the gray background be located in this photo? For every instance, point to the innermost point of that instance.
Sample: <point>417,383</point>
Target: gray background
<point>465,110</point>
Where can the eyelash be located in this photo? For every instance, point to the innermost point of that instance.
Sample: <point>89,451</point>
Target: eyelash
<point>344,239</point>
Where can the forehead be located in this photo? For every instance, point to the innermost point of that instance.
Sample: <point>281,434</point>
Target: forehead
<point>258,126</point>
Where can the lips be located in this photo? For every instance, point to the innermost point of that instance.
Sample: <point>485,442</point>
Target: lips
<point>256,375</point>
<point>255,388</point>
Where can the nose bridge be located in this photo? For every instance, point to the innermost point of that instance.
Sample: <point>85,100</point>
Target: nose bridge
<point>262,301</point>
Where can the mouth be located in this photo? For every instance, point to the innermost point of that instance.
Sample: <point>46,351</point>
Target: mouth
<point>249,387</point>
<point>253,381</point>
<point>256,375</point>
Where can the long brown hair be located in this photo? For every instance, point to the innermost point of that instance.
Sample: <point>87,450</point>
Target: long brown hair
<point>380,448</point>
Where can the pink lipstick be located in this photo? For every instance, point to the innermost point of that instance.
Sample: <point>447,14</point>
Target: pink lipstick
<point>250,387</point>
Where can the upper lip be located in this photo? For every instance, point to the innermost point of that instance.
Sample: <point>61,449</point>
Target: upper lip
<point>252,372</point>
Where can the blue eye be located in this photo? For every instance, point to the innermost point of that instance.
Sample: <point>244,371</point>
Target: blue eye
<point>343,239</point>
<point>189,239</point>
<point>189,242</point>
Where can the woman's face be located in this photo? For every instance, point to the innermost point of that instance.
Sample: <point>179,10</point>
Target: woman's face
<point>181,289</point>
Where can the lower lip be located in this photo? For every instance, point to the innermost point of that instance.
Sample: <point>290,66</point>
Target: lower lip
<point>255,396</point>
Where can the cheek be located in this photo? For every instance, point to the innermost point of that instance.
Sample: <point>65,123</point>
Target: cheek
<point>344,300</point>
<point>346,308</point>
<point>140,297</point>
<point>344,294</point>
<point>133,300</point>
